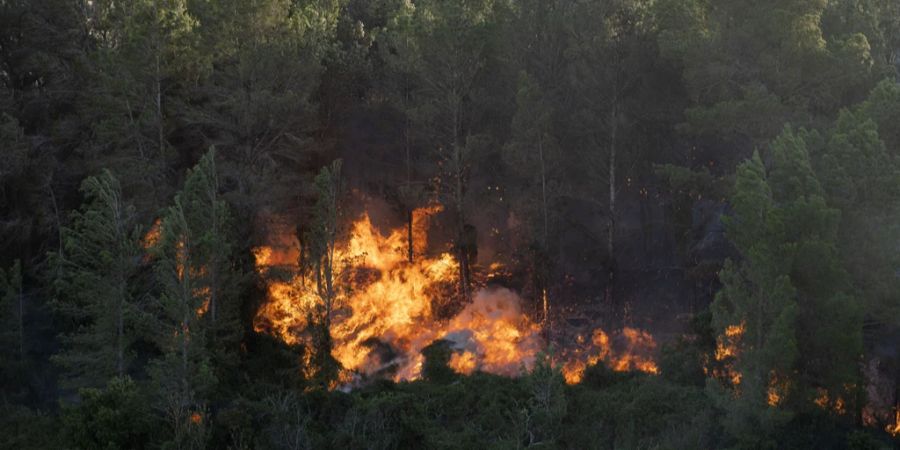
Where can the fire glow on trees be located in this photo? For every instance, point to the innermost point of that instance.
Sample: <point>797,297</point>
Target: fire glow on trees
<point>727,349</point>
<point>385,315</point>
<point>152,238</point>
<point>635,356</point>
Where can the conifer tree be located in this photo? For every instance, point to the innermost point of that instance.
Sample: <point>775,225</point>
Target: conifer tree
<point>258,106</point>
<point>788,293</point>
<point>197,329</point>
<point>146,54</point>
<point>96,287</point>
<point>444,45</point>
<point>757,295</point>
<point>604,45</point>
<point>321,239</point>
<point>862,179</point>
<point>533,156</point>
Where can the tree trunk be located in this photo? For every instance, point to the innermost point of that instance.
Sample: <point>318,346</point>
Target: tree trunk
<point>409,233</point>
<point>545,297</point>
<point>611,216</point>
<point>21,317</point>
<point>120,331</point>
<point>464,271</point>
<point>187,309</point>
<point>214,264</point>
<point>409,207</point>
<point>159,111</point>
<point>462,244</point>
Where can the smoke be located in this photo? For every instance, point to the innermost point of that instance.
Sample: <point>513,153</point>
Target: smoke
<point>494,333</point>
<point>390,309</point>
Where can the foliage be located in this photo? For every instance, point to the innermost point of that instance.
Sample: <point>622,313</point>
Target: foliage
<point>98,296</point>
<point>589,146</point>
<point>114,417</point>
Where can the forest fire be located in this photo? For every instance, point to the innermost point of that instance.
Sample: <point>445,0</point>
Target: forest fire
<point>825,401</point>
<point>386,311</point>
<point>633,355</point>
<point>727,349</point>
<point>152,239</point>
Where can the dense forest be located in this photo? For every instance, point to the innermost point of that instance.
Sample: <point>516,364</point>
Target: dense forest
<point>310,224</point>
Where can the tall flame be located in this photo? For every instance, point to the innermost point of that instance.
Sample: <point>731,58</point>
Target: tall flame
<point>384,313</point>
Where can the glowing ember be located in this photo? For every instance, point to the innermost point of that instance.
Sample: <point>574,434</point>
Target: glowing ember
<point>825,401</point>
<point>383,316</point>
<point>822,399</point>
<point>634,353</point>
<point>152,238</point>
<point>204,293</point>
<point>727,344</point>
<point>777,390</point>
<point>894,428</point>
<point>153,234</point>
<point>727,347</point>
<point>772,396</point>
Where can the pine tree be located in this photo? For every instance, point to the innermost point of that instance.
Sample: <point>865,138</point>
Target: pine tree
<point>197,330</point>
<point>789,67</point>
<point>829,321</point>
<point>96,287</point>
<point>604,67</point>
<point>444,45</point>
<point>862,179</point>
<point>258,104</point>
<point>757,295</point>
<point>533,156</point>
<point>321,239</point>
<point>402,85</point>
<point>789,293</point>
<point>146,54</point>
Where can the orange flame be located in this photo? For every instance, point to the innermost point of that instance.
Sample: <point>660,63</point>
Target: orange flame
<point>633,355</point>
<point>825,401</point>
<point>383,315</point>
<point>151,238</point>
<point>727,348</point>
<point>774,393</point>
<point>894,428</point>
<point>464,363</point>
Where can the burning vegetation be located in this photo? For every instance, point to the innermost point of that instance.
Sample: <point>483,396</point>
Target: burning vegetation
<point>387,310</point>
<point>449,224</point>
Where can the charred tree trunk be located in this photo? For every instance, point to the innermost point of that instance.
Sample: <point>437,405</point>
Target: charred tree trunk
<point>409,233</point>
<point>462,244</point>
<point>409,207</point>
<point>463,254</point>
